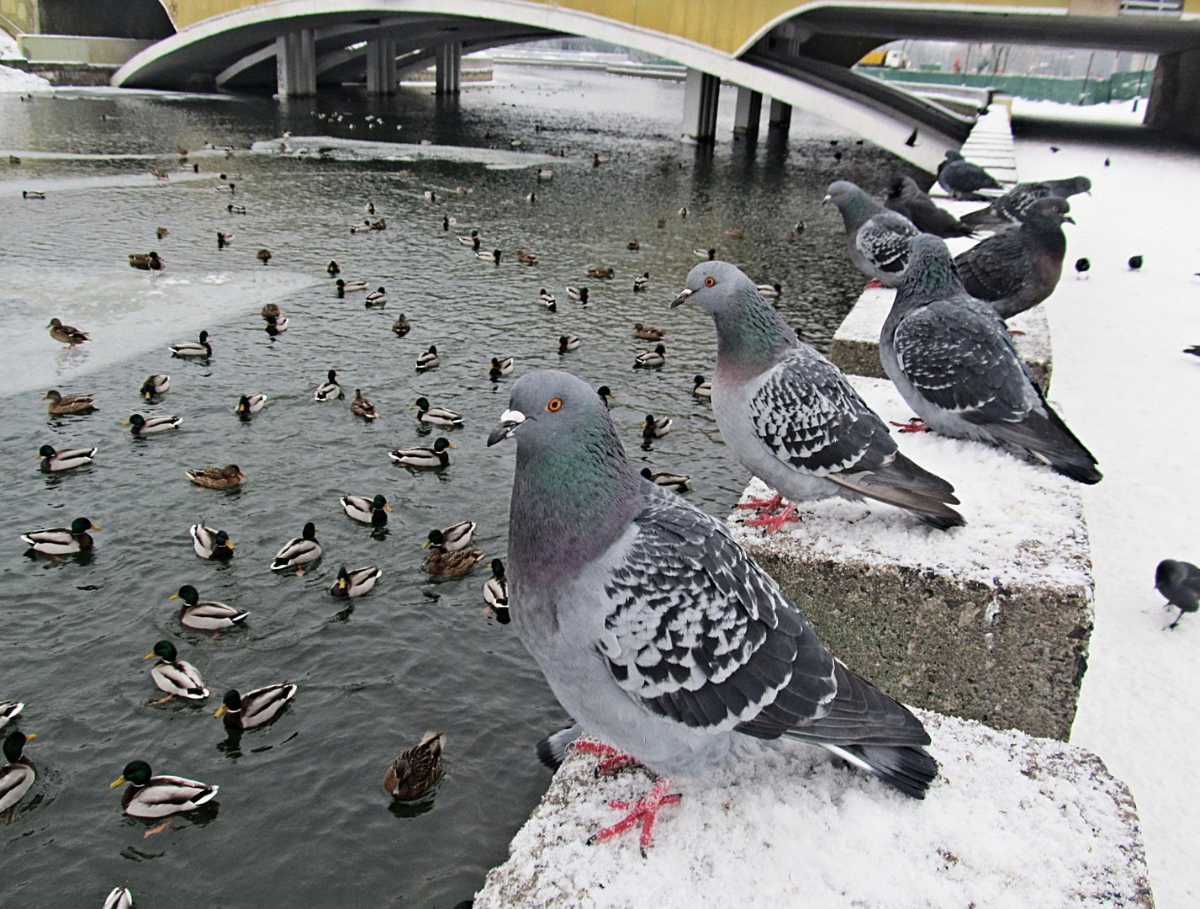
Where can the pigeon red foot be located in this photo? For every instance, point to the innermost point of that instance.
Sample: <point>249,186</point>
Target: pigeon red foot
<point>644,811</point>
<point>773,522</point>
<point>914,425</point>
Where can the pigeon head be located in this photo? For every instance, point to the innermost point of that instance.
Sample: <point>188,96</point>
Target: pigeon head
<point>715,286</point>
<point>749,331</point>
<point>550,409</point>
<point>931,274</point>
<point>1078,185</point>
<point>1169,572</point>
<point>895,189</point>
<point>1049,212</point>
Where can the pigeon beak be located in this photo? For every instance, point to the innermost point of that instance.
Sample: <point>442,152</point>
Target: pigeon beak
<point>826,200</point>
<point>509,421</point>
<point>682,298</point>
<point>1067,219</point>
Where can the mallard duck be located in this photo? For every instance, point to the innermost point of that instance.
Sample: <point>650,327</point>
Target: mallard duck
<point>675,482</point>
<point>299,551</point>
<point>198,348</point>
<point>633,245</point>
<point>736,233</point>
<point>606,395</point>
<point>448,222</point>
<point>651,359</point>
<point>701,253</point>
<point>369,208</point>
<point>641,282</point>
<point>344,287</point>
<point>701,387</point>
<point>531,198</point>
<point>143,426</point>
<point>235,209</point>
<point>770,291</point>
<point>155,385</point>
<point>373,511</point>
<point>362,407</point>
<point>567,343</point>
<point>62,540</point>
<point>152,797</point>
<point>655,429</point>
<point>577,293</point>
<point>329,390</point>
<point>544,175</point>
<point>438,416</point>
<point>61,404</point>
<point>471,240</point>
<point>256,707</point>
<point>526,258</point>
<point>211,544</point>
<point>333,268</point>
<point>161,233</point>
<point>660,223</point>
<point>417,770</point>
<point>547,300</point>
<point>175,676</point>
<point>437,456</point>
<point>17,774</point>
<point>206,616</point>
<point>495,591</point>
<point>401,326</point>
<point>146,262</point>
<point>493,256</point>
<point>428,360</point>
<point>377,298</point>
<point>355,583</point>
<point>451,564</point>
<point>604,273</point>
<point>501,366</point>
<point>263,256</point>
<point>56,461</point>
<point>380,224</point>
<point>648,332</point>
<point>223,239</point>
<point>276,325</point>
<point>119,898</point>
<point>32,194</point>
<point>226,477</point>
<point>67,334</point>
<point>9,710</point>
<point>158,173</point>
<point>430,195</point>
<point>248,404</point>
<point>450,539</point>
<point>230,188</point>
<point>271,311</point>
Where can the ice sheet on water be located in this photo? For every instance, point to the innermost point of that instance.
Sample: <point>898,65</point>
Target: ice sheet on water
<point>360,150</point>
<point>18,182</point>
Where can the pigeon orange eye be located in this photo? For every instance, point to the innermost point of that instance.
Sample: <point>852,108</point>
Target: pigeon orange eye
<point>710,281</point>
<point>554,405</point>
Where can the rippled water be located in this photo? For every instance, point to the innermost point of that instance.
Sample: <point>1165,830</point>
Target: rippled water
<point>301,817</point>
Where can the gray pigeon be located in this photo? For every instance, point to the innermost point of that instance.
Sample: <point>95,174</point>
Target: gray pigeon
<point>792,418</point>
<point>955,364</point>
<point>1179,582</point>
<point>1012,207</point>
<point>962,179</point>
<point>877,238</point>
<point>654,629</point>
<point>906,198</point>
<point>1015,270</point>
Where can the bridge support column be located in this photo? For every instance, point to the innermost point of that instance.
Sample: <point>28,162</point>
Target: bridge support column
<point>700,96</point>
<point>1174,105</point>
<point>747,113</point>
<point>449,69</point>
<point>296,64</point>
<point>780,119</point>
<point>381,66</point>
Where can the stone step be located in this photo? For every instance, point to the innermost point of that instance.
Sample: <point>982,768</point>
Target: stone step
<point>1011,821</point>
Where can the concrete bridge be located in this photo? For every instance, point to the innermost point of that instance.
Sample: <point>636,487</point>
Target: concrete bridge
<point>797,54</point>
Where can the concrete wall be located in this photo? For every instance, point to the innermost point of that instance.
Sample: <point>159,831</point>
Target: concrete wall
<point>79,49</point>
<point>143,19</point>
<point>1175,96</point>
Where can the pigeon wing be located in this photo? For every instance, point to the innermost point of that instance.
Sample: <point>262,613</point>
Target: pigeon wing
<point>994,268</point>
<point>883,239</point>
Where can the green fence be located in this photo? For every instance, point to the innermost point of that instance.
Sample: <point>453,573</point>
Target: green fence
<point>1118,87</point>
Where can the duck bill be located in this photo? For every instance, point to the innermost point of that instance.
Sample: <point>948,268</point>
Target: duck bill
<point>149,656</point>
<point>221,710</point>
<point>119,781</point>
<point>387,507</point>
<point>176,596</point>
<point>509,421</point>
<point>681,299</point>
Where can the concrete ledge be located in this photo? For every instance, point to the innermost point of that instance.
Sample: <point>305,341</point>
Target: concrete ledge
<point>855,345</point>
<point>1012,821</point>
<point>990,621</point>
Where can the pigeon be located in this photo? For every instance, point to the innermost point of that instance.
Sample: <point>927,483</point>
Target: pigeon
<point>877,238</point>
<point>792,417</point>
<point>1012,207</point>
<point>906,198</point>
<point>1135,263</point>
<point>1017,269</point>
<point>962,179</point>
<point>1179,582</point>
<point>954,362</point>
<point>1194,350</point>
<point>655,630</point>
<point>1082,267</point>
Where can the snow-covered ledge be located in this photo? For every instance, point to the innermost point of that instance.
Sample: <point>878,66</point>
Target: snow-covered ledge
<point>1011,821</point>
<point>855,345</point>
<point>990,621</point>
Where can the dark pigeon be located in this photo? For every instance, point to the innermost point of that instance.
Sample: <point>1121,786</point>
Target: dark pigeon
<point>962,179</point>
<point>1011,208</point>
<point>906,198</point>
<point>1179,582</point>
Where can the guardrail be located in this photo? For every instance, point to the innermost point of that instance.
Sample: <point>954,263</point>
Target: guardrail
<point>1123,86</point>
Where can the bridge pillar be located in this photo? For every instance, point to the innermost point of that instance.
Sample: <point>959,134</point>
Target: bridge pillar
<point>296,64</point>
<point>700,96</point>
<point>1174,105</point>
<point>449,68</point>
<point>747,113</point>
<point>381,66</point>
<point>780,119</point>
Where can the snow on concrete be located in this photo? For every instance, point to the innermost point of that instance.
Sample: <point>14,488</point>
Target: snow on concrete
<point>1130,393</point>
<point>17,81</point>
<point>1012,821</point>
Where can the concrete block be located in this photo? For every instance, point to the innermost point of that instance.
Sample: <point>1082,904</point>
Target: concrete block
<point>989,621</point>
<point>1011,822</point>
<point>855,346</point>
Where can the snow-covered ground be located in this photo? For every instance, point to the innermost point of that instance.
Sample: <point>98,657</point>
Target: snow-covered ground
<point>1130,393</point>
